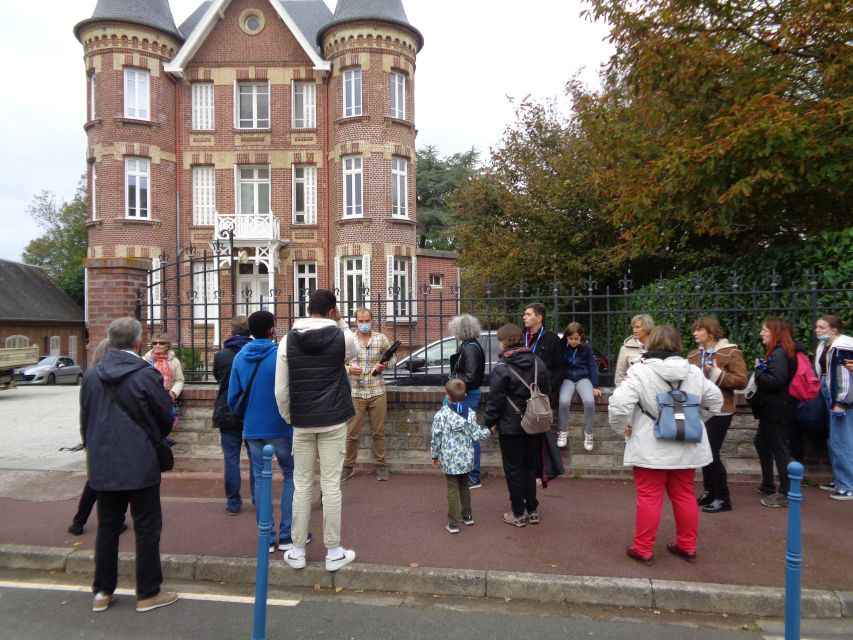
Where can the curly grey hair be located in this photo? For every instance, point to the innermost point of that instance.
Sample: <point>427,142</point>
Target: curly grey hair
<point>465,327</point>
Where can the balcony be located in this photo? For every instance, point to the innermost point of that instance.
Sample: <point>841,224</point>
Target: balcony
<point>248,228</point>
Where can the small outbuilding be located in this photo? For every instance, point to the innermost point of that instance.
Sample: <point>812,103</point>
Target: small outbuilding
<point>36,312</point>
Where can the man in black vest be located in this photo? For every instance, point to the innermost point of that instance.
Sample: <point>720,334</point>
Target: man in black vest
<point>313,394</point>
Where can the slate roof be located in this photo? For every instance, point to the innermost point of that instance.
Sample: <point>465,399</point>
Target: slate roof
<point>385,10</point>
<point>309,16</point>
<point>150,13</point>
<point>26,293</point>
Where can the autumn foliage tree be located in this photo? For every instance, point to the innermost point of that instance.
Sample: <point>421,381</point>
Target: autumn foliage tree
<point>720,128</point>
<point>722,125</point>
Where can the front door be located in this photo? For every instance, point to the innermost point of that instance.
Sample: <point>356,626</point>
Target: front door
<point>253,288</point>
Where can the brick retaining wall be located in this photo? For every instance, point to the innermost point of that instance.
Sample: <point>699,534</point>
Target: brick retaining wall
<point>407,433</point>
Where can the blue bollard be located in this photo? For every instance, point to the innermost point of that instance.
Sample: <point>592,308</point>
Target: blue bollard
<point>259,625</point>
<point>794,554</point>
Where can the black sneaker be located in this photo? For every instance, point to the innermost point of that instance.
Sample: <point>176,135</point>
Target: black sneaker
<point>767,491</point>
<point>347,473</point>
<point>76,530</point>
<point>474,484</point>
<point>467,520</point>
<point>452,527</point>
<point>827,486</point>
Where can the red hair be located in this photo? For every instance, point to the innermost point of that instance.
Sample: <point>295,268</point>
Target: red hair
<point>781,333</point>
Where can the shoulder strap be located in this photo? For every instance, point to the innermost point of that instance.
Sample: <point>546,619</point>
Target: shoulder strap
<point>110,389</point>
<point>245,399</point>
<point>527,386</point>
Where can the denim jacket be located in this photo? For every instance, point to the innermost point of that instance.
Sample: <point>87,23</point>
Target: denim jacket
<point>452,440</point>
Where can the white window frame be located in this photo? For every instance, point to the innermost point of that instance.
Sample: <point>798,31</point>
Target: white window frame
<point>399,188</point>
<point>137,93</point>
<point>17,341</point>
<point>72,348</point>
<point>254,121</point>
<point>304,273</point>
<point>352,92</point>
<point>202,106</point>
<point>399,275</point>
<point>138,169</point>
<point>305,181</point>
<point>204,195</point>
<point>436,281</point>
<point>155,286</point>
<point>353,279</point>
<point>55,345</point>
<point>205,290</point>
<point>92,109</point>
<point>257,183</point>
<point>94,193</point>
<point>397,90</point>
<point>305,95</point>
<point>353,199</point>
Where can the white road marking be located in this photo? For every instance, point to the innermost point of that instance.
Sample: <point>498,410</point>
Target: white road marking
<point>206,597</point>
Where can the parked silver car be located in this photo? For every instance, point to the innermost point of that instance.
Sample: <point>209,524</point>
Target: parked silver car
<point>50,370</point>
<point>430,365</point>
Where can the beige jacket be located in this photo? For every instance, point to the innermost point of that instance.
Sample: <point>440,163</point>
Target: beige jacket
<point>177,371</point>
<point>631,351</point>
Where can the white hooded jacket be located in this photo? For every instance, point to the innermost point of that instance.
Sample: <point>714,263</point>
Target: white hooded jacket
<point>645,379</point>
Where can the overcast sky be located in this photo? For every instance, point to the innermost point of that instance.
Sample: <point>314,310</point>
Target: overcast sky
<point>476,54</point>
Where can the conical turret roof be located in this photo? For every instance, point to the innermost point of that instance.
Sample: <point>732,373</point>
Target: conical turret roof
<point>385,10</point>
<point>149,13</point>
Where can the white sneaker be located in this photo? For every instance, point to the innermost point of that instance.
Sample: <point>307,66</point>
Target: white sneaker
<point>297,562</point>
<point>562,439</point>
<point>333,564</point>
<point>588,441</point>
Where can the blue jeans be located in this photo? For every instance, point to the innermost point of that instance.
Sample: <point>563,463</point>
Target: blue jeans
<point>840,445</point>
<point>472,401</point>
<point>232,442</point>
<point>284,454</point>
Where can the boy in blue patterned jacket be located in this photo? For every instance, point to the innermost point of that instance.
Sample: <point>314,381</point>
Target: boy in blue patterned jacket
<point>452,451</point>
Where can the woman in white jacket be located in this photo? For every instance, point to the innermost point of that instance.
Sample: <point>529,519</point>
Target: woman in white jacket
<point>662,465</point>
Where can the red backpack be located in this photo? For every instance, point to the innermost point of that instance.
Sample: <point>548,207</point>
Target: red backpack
<point>804,385</point>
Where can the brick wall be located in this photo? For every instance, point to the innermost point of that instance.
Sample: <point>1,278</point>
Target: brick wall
<point>40,333</point>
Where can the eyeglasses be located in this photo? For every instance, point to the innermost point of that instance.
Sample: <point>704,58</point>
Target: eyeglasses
<point>156,343</point>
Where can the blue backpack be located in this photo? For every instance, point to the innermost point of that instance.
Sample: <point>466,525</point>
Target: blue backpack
<point>679,416</point>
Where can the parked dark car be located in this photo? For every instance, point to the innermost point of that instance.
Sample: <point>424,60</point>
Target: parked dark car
<point>50,370</point>
<point>430,365</point>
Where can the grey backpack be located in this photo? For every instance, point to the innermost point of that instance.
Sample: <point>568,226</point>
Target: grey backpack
<point>537,416</point>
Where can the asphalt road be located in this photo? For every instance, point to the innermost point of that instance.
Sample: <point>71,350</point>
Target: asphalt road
<point>52,613</point>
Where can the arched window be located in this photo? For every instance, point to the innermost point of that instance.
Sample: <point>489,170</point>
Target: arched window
<point>17,342</point>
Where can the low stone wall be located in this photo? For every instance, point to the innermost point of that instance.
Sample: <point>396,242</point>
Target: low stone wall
<point>408,427</point>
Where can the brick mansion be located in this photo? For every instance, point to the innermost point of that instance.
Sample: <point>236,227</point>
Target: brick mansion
<point>268,144</point>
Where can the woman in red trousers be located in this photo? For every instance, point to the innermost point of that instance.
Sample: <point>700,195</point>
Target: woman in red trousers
<point>662,465</point>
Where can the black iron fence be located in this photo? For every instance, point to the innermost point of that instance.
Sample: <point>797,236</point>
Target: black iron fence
<point>195,298</point>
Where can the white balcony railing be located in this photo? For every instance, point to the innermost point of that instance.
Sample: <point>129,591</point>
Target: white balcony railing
<point>248,227</point>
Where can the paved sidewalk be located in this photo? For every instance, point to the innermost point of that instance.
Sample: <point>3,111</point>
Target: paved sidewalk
<point>586,525</point>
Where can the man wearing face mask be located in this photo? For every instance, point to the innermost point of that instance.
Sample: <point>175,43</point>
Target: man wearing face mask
<point>368,394</point>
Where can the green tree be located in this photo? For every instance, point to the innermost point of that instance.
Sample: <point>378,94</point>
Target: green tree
<point>437,177</point>
<point>721,125</point>
<point>531,215</point>
<point>61,248</point>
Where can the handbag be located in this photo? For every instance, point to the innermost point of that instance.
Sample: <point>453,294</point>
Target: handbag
<point>162,449</point>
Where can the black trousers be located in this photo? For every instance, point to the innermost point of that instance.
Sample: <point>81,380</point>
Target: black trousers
<point>84,507</point>
<point>147,525</point>
<point>522,463</point>
<point>771,443</point>
<point>714,476</point>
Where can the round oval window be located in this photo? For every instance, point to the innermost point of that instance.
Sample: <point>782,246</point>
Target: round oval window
<point>253,23</point>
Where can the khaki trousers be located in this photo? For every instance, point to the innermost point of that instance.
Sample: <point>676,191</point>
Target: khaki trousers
<point>376,408</point>
<point>329,446</point>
